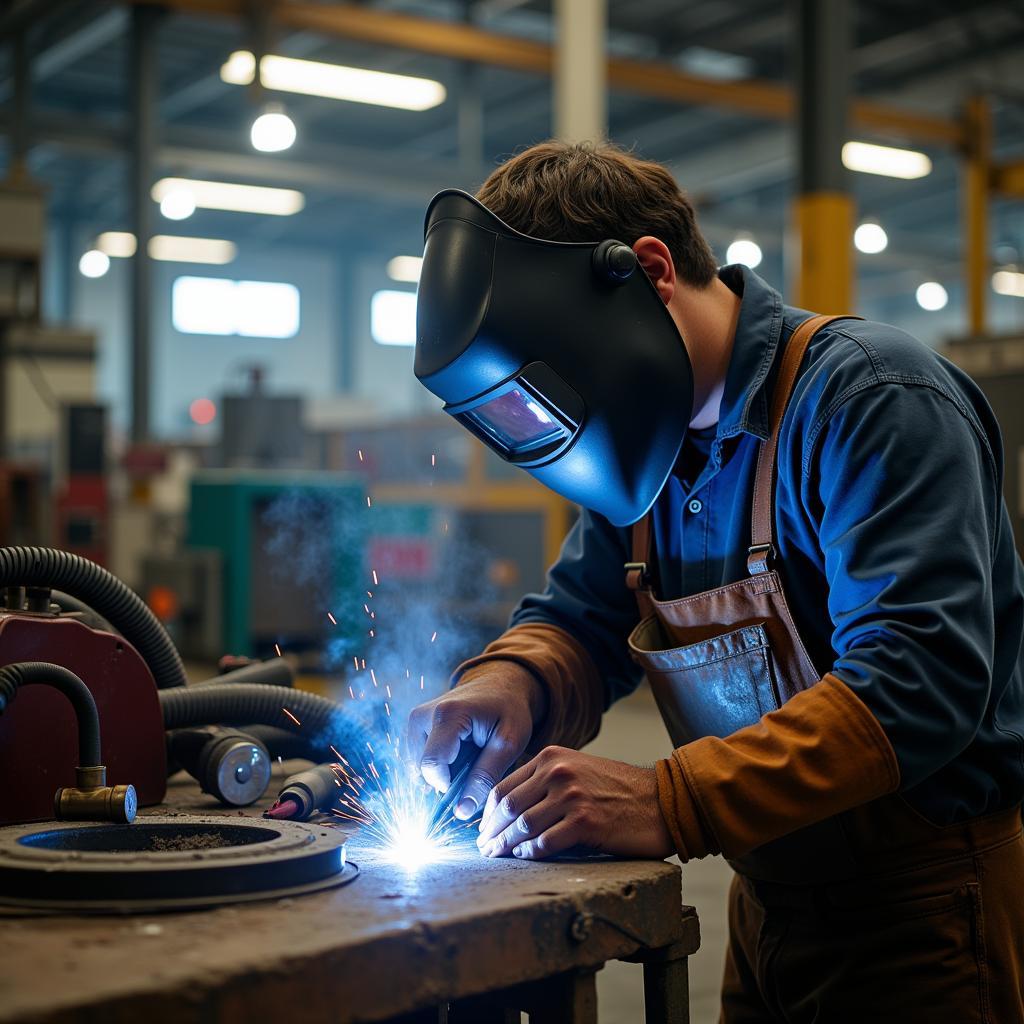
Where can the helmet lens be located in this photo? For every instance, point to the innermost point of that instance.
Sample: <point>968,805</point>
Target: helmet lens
<point>517,424</point>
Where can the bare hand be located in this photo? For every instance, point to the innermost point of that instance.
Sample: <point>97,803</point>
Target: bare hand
<point>564,798</point>
<point>497,711</point>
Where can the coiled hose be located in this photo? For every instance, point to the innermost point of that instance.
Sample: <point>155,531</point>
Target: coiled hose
<point>321,722</point>
<point>25,673</point>
<point>105,594</point>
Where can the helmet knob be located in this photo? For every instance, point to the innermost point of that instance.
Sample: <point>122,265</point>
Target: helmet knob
<point>614,261</point>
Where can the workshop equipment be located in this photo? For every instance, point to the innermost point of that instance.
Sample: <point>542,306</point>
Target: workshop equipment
<point>91,797</point>
<point>122,670</point>
<point>167,863</point>
<point>305,793</point>
<point>229,764</point>
<point>290,543</point>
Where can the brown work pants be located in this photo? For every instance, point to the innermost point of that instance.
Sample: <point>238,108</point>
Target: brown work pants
<point>940,941</point>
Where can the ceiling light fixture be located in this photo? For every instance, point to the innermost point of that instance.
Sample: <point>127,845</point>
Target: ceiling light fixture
<point>744,250</point>
<point>116,244</point>
<point>182,249</point>
<point>887,160</point>
<point>169,248</point>
<point>405,268</point>
<point>223,195</point>
<point>178,204</point>
<point>334,81</point>
<point>273,131</point>
<point>870,237</point>
<point>93,263</point>
<point>1008,282</point>
<point>932,296</point>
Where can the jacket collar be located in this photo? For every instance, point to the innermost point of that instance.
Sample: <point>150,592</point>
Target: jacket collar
<point>758,329</point>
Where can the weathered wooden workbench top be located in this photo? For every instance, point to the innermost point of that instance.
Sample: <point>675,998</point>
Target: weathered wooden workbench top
<point>390,942</point>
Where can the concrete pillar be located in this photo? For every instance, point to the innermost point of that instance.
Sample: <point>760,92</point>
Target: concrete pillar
<point>824,206</point>
<point>143,82</point>
<point>470,117</point>
<point>22,98</point>
<point>581,77</point>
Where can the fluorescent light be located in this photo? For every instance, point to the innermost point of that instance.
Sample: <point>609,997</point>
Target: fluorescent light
<point>170,248</point>
<point>223,195</point>
<point>393,318</point>
<point>870,238</point>
<point>273,131</point>
<point>887,160</point>
<point>334,81</point>
<point>182,249</point>
<point>932,296</point>
<point>745,251</point>
<point>178,204</point>
<point>405,268</point>
<point>1008,282</point>
<point>94,263</point>
<point>116,244</point>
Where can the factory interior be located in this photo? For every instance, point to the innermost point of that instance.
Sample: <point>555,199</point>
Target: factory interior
<point>244,540</point>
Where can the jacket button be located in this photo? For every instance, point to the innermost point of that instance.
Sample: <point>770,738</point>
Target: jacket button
<point>695,505</point>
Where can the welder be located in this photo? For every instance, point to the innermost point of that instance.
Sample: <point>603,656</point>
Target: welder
<point>793,526</point>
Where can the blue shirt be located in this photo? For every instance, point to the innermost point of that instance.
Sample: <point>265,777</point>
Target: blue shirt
<point>894,545</point>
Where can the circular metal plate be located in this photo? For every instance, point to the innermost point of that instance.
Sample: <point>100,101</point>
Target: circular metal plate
<point>166,863</point>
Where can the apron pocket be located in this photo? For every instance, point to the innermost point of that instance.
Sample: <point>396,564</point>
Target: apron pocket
<point>710,688</point>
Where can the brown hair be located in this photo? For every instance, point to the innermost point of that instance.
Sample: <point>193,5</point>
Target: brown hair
<point>584,192</point>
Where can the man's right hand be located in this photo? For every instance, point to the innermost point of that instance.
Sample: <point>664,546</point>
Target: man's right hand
<point>498,711</point>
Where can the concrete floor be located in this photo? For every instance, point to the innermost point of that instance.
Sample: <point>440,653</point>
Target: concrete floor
<point>633,732</point>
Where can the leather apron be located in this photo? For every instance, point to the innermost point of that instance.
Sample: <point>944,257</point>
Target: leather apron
<point>719,660</point>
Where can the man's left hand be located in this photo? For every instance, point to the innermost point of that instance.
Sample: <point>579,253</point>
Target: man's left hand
<point>565,798</point>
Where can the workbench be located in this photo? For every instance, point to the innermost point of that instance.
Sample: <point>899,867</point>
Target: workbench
<point>470,940</point>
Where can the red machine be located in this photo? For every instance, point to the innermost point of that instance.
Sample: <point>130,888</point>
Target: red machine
<point>39,731</point>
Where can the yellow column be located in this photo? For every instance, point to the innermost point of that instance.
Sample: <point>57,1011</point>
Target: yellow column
<point>976,188</point>
<point>824,230</point>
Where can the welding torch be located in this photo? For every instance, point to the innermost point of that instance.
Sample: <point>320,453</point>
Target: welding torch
<point>458,773</point>
<point>304,793</point>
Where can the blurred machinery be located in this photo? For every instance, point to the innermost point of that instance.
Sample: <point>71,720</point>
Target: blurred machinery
<point>290,545</point>
<point>47,388</point>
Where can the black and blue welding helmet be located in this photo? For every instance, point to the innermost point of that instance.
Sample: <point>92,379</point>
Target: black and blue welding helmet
<point>560,356</point>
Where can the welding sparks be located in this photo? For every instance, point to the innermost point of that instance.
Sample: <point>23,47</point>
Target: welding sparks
<point>373,676</point>
<point>291,716</point>
<point>369,504</point>
<point>334,621</point>
<point>278,649</point>
<point>373,573</point>
<point>434,637</point>
<point>360,453</point>
<point>433,460</point>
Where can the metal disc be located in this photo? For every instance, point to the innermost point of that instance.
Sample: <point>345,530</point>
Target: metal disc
<point>166,863</point>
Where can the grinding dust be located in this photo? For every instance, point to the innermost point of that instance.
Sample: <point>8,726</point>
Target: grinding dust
<point>198,841</point>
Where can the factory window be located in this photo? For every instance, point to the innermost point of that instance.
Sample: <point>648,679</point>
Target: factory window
<point>249,309</point>
<point>393,318</point>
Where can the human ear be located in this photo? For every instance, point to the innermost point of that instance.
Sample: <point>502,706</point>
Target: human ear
<point>653,255</point>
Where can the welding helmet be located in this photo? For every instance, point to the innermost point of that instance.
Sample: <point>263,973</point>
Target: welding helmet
<point>560,356</point>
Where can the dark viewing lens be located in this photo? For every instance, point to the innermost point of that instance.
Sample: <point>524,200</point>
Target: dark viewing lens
<point>517,422</point>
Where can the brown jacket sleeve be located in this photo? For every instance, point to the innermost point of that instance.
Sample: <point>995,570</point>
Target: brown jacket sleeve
<point>562,666</point>
<point>823,752</point>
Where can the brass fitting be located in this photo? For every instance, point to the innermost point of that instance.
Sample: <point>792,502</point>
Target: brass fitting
<point>93,800</point>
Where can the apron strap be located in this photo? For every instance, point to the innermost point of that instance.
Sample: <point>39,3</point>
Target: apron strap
<point>638,571</point>
<point>762,547</point>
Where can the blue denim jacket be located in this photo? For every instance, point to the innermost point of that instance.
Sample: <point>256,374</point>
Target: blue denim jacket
<point>894,545</point>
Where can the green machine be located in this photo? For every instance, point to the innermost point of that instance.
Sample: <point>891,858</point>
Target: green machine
<point>293,548</point>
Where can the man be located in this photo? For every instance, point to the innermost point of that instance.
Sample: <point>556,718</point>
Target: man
<point>832,604</point>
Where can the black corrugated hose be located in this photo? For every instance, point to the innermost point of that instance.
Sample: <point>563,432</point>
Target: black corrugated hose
<point>25,673</point>
<point>321,722</point>
<point>105,594</point>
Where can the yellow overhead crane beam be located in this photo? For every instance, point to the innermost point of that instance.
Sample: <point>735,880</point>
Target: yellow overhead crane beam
<point>649,78</point>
